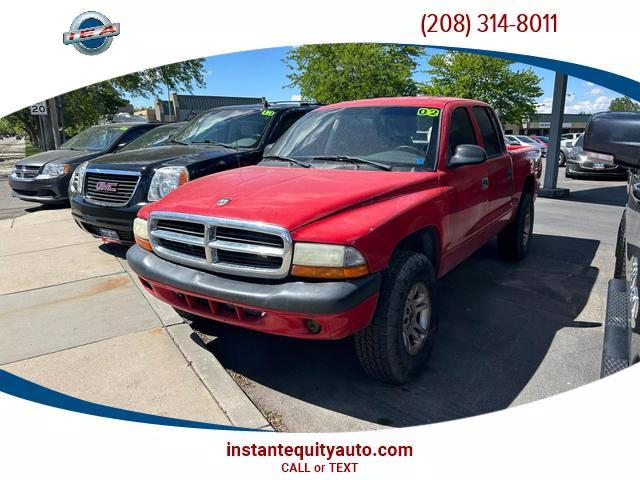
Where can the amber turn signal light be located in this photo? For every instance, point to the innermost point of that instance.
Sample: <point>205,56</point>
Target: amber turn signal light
<point>143,243</point>
<point>329,273</point>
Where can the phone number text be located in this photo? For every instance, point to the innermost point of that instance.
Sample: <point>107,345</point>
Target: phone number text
<point>466,24</point>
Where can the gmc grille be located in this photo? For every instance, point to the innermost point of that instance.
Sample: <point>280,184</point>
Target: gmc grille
<point>222,245</point>
<point>109,188</point>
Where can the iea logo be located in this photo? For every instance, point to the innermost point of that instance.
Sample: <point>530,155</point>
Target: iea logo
<point>91,33</point>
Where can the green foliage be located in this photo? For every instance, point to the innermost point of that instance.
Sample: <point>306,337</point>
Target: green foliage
<point>512,93</point>
<point>30,150</point>
<point>339,72</point>
<point>624,104</point>
<point>153,82</point>
<point>84,107</point>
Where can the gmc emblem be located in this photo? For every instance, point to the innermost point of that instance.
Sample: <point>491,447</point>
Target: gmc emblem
<point>106,186</point>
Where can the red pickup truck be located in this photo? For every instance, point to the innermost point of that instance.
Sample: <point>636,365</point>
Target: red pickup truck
<point>345,226</point>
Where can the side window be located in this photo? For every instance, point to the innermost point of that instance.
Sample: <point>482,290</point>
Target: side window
<point>131,135</point>
<point>461,132</point>
<point>488,131</point>
<point>287,119</point>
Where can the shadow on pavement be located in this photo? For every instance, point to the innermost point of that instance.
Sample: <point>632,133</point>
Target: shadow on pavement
<point>614,196</point>
<point>498,320</point>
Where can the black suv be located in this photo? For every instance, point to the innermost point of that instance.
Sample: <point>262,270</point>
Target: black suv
<point>106,193</point>
<point>44,177</point>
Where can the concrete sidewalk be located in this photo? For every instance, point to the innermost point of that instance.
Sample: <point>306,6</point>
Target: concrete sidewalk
<point>74,319</point>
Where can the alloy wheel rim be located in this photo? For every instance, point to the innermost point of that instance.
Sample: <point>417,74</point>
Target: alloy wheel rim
<point>416,318</point>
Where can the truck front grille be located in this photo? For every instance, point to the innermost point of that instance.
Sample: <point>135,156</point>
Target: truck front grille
<point>107,188</point>
<point>222,245</point>
<point>26,171</point>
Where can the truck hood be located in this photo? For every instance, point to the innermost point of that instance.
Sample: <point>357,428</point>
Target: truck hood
<point>289,197</point>
<point>163,156</point>
<point>60,156</point>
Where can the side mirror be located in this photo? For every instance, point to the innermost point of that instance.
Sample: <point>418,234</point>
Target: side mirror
<point>614,137</point>
<point>468,155</point>
<point>267,149</point>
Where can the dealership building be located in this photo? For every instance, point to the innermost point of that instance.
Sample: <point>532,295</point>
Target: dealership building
<point>540,124</point>
<point>184,107</point>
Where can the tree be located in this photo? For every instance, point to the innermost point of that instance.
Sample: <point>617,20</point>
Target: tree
<point>513,93</point>
<point>152,82</point>
<point>84,107</point>
<point>339,72</point>
<point>623,104</point>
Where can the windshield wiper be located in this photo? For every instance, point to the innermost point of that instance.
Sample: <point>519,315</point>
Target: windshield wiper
<point>287,159</point>
<point>178,142</point>
<point>348,159</point>
<point>218,144</point>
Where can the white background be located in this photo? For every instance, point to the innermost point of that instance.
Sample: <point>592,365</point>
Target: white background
<point>589,432</point>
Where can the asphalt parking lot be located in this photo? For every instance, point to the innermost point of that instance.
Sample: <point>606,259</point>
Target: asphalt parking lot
<point>509,333</point>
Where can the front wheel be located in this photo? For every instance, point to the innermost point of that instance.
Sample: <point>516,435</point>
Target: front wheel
<point>396,344</point>
<point>562,161</point>
<point>514,240</point>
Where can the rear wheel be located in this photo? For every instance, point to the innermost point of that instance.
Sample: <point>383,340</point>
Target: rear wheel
<point>396,344</point>
<point>514,240</point>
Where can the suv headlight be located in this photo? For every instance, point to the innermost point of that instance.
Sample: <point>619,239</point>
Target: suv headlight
<point>77,179</point>
<point>165,180</point>
<point>319,260</point>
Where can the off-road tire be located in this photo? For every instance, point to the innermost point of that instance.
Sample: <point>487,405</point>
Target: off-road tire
<point>380,346</point>
<point>620,270</point>
<point>512,244</point>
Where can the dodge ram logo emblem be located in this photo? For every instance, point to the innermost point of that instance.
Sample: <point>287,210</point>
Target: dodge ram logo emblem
<point>223,201</point>
<point>106,186</point>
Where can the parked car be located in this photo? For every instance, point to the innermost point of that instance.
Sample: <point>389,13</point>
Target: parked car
<point>153,138</point>
<point>527,142</point>
<point>614,139</point>
<point>44,177</point>
<point>564,150</point>
<point>569,139</point>
<point>582,163</point>
<point>106,193</point>
<point>344,227</point>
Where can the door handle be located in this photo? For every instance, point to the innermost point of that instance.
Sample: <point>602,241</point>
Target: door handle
<point>485,183</point>
<point>635,190</point>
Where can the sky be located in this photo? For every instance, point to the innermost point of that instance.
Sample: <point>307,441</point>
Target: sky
<point>262,73</point>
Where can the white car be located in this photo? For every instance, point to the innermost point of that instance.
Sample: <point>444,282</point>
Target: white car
<point>568,140</point>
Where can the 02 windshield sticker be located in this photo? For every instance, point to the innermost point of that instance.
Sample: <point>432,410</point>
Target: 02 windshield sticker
<point>429,112</point>
<point>267,113</point>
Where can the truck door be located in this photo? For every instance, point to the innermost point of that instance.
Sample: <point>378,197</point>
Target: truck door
<point>468,198</point>
<point>499,168</point>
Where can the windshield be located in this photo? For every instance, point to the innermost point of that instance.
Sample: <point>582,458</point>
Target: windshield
<point>237,128</point>
<point>579,141</point>
<point>544,139</point>
<point>399,137</point>
<point>94,139</point>
<point>152,138</point>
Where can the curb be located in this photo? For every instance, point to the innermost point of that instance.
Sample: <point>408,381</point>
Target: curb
<point>236,405</point>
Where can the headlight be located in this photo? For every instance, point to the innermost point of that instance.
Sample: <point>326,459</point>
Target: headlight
<point>77,179</point>
<point>165,180</point>
<point>141,233</point>
<point>55,169</point>
<point>319,260</point>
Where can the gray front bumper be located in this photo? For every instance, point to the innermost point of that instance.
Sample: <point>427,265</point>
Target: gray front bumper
<point>41,190</point>
<point>293,296</point>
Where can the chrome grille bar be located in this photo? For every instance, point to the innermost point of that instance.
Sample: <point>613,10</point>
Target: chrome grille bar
<point>252,249</point>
